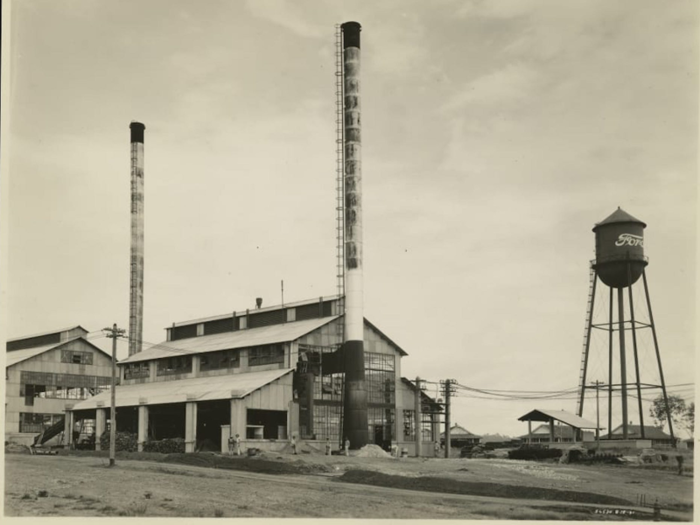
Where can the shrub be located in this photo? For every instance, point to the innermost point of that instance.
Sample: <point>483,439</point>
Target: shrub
<point>165,446</point>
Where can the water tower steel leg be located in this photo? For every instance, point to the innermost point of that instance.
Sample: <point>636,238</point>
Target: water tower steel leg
<point>623,364</point>
<point>658,357</point>
<point>634,346</point>
<point>589,322</point>
<point>610,364</point>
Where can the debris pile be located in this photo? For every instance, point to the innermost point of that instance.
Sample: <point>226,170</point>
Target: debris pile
<point>372,451</point>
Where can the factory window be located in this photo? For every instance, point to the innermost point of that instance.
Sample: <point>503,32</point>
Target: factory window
<point>78,358</point>
<point>381,426</point>
<point>380,378</point>
<point>265,355</point>
<point>137,370</point>
<point>35,423</point>
<point>225,359</point>
<point>327,422</point>
<point>409,425</point>
<point>174,365</point>
<point>328,387</point>
<point>46,385</point>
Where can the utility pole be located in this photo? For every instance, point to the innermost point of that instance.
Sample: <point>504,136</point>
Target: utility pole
<point>597,384</point>
<point>448,391</point>
<point>113,333</point>
<point>418,416</point>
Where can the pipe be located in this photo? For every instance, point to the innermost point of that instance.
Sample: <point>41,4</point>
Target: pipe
<point>355,406</point>
<point>137,235</point>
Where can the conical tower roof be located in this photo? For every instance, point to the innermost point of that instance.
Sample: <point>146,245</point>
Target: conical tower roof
<point>619,215</point>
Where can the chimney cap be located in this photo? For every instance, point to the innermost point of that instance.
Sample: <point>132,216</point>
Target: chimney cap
<point>351,34</point>
<point>137,129</point>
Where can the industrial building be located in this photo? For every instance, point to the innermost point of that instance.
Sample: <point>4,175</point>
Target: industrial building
<point>266,374</point>
<point>45,373</point>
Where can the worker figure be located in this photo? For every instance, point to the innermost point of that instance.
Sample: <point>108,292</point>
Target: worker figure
<point>231,443</point>
<point>394,450</point>
<point>436,448</point>
<point>328,447</point>
<point>294,444</point>
<point>237,443</point>
<point>347,447</point>
<point>679,459</point>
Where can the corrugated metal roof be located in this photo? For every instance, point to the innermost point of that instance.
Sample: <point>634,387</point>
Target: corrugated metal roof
<point>265,335</point>
<point>234,386</point>
<point>635,432</point>
<point>45,333</point>
<point>457,432</point>
<point>17,356</point>
<point>619,215</point>
<point>558,415</point>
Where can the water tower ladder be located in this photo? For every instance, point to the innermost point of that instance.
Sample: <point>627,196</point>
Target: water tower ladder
<point>586,338</point>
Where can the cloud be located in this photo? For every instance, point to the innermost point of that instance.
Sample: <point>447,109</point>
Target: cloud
<point>286,14</point>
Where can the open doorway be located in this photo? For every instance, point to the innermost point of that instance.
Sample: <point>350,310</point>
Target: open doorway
<point>266,424</point>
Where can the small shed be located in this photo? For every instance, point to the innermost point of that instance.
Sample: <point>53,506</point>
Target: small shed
<point>577,424</point>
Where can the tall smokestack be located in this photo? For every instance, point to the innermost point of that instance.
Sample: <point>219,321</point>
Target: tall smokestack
<point>355,406</point>
<point>136,293</point>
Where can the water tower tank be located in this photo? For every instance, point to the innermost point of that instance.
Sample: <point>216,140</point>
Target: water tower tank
<point>619,240</point>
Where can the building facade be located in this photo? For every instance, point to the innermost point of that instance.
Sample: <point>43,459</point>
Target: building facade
<point>44,374</point>
<point>266,374</point>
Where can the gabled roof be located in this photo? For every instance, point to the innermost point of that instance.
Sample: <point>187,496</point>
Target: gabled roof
<point>264,335</point>
<point>619,215</point>
<point>412,386</point>
<point>386,337</point>
<point>17,356</point>
<point>49,332</point>
<point>233,386</point>
<point>635,432</point>
<point>557,415</point>
<point>457,432</point>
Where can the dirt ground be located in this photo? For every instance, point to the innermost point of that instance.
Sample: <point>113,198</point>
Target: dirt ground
<point>84,486</point>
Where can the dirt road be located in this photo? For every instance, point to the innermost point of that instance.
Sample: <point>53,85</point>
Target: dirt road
<point>84,486</point>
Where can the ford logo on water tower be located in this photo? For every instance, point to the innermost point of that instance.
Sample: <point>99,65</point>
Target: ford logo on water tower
<point>619,247</point>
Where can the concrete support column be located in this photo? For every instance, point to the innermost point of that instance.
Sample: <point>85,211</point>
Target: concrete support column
<point>190,426</point>
<point>143,427</point>
<point>152,370</point>
<point>238,415</point>
<point>100,426</point>
<point>68,428</point>
<point>551,431</point>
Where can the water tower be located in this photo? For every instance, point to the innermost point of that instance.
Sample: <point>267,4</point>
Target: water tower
<point>619,263</point>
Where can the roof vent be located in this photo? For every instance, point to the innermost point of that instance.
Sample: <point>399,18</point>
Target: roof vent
<point>258,302</point>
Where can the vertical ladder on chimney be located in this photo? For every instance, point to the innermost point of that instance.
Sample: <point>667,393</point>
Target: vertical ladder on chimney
<point>340,203</point>
<point>592,277</point>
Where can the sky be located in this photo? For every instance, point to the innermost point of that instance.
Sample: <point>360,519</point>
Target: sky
<point>495,135</point>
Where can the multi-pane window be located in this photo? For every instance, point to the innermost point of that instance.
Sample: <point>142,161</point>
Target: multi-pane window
<point>175,365</point>
<point>37,422</point>
<point>380,378</point>
<point>409,425</point>
<point>327,422</point>
<point>224,359</point>
<point>137,370</point>
<point>47,385</point>
<point>265,355</point>
<point>381,425</point>
<point>75,357</point>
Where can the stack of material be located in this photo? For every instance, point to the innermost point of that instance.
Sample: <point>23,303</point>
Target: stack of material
<point>372,451</point>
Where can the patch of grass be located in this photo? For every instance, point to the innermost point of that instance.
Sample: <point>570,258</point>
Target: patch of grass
<point>218,513</point>
<point>108,509</point>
